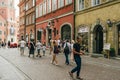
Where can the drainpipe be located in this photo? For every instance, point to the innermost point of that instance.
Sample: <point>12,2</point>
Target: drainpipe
<point>35,21</point>
<point>25,23</point>
<point>74,18</point>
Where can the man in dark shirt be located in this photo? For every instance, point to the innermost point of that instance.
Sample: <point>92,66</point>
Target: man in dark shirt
<point>77,52</point>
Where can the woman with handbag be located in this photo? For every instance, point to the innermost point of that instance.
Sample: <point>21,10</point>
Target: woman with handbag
<point>55,52</point>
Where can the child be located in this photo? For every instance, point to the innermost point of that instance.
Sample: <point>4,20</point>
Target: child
<point>44,48</point>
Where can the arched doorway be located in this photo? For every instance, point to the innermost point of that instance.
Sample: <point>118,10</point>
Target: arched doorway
<point>66,32</point>
<point>98,39</point>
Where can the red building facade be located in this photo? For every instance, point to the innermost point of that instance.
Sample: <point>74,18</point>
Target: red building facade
<point>54,20</point>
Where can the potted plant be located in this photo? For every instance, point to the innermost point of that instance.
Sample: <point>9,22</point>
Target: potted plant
<point>112,52</point>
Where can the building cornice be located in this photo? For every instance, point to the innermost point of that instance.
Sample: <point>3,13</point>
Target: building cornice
<point>103,5</point>
<point>60,16</point>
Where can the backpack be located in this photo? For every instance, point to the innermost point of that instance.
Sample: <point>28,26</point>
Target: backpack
<point>66,49</point>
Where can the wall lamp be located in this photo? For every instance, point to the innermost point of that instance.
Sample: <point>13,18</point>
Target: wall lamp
<point>110,23</point>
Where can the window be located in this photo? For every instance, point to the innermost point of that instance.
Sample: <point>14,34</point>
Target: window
<point>60,3</point>
<point>26,6</point>
<point>33,2</point>
<point>33,18</point>
<point>0,32</point>
<point>81,4</point>
<point>48,6</point>
<point>4,24</point>
<point>0,23</point>
<point>2,3</point>
<point>95,2</point>
<point>30,20</point>
<point>37,8</point>
<point>40,11</point>
<point>44,8</point>
<point>68,2</point>
<point>54,5</point>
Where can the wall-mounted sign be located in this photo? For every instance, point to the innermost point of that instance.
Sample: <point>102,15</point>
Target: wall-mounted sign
<point>83,29</point>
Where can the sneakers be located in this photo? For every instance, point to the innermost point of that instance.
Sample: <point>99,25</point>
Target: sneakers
<point>79,78</point>
<point>71,74</point>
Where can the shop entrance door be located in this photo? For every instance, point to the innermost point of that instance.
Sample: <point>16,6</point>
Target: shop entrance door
<point>98,39</point>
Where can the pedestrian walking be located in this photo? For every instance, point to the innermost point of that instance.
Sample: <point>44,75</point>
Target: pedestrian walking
<point>31,48</point>
<point>44,49</point>
<point>77,52</point>
<point>8,44</point>
<point>22,44</point>
<point>55,52</point>
<point>38,46</point>
<point>67,51</point>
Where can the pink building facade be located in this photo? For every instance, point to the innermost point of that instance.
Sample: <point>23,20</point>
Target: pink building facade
<point>7,12</point>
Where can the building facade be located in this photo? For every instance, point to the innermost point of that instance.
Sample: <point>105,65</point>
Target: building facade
<point>98,22</point>
<point>7,12</point>
<point>54,20</point>
<point>22,18</point>
<point>3,29</point>
<point>27,19</point>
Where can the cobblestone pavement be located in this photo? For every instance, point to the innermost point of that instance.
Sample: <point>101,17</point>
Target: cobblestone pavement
<point>41,68</point>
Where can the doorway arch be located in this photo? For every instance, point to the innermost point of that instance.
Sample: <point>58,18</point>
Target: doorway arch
<point>98,39</point>
<point>66,32</point>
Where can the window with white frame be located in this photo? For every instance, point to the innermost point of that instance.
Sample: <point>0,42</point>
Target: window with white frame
<point>40,10</point>
<point>30,19</point>
<point>0,32</point>
<point>95,2</point>
<point>37,8</point>
<point>33,18</point>
<point>48,6</point>
<point>54,5</point>
<point>44,8</point>
<point>26,6</point>
<point>0,23</point>
<point>33,2</point>
<point>60,3</point>
<point>81,4</point>
<point>68,2</point>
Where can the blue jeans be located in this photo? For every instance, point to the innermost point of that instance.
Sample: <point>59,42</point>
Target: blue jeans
<point>78,67</point>
<point>67,59</point>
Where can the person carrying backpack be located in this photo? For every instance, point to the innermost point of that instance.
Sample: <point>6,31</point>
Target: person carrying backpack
<point>67,51</point>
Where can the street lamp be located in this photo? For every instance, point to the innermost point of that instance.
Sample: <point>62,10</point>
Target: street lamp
<point>110,24</point>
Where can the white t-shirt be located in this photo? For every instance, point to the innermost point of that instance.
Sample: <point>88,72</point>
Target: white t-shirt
<point>22,43</point>
<point>58,41</point>
<point>44,48</point>
<point>38,45</point>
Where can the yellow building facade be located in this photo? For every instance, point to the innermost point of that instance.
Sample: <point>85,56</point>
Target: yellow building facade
<point>98,22</point>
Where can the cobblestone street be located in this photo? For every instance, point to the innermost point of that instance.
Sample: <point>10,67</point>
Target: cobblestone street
<point>41,68</point>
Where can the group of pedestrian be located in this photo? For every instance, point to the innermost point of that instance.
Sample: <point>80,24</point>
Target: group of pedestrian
<point>32,47</point>
<point>69,48</point>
